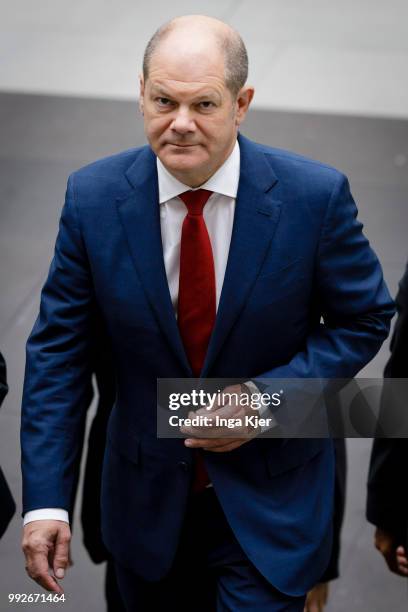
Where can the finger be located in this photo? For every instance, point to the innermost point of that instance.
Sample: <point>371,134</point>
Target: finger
<point>210,425</point>
<point>206,410</point>
<point>209,443</point>
<point>222,410</point>
<point>226,447</point>
<point>202,433</point>
<point>37,569</point>
<point>228,410</point>
<point>206,428</point>
<point>402,570</point>
<point>201,442</point>
<point>61,554</point>
<point>215,433</point>
<point>401,560</point>
<point>49,583</point>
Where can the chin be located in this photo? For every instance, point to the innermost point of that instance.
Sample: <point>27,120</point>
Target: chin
<point>182,162</point>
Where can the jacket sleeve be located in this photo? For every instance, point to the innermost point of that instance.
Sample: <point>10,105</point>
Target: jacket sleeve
<point>350,293</point>
<point>57,384</point>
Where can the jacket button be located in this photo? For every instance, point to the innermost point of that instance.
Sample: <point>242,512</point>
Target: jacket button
<point>183,465</point>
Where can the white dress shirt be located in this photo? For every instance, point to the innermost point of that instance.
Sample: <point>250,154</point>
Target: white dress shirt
<point>219,217</point>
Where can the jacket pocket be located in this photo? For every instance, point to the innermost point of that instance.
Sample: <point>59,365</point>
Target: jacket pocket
<point>293,454</point>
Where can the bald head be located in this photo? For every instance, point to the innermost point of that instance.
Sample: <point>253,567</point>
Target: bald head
<point>198,34</point>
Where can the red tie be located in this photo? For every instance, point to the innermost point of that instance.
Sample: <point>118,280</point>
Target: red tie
<point>196,298</point>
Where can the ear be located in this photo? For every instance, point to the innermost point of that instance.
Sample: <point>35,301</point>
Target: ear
<point>141,93</point>
<point>244,99</point>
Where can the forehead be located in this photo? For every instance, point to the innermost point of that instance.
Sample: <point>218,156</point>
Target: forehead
<point>186,61</point>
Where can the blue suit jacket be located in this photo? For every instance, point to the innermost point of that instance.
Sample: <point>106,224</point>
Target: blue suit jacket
<point>297,254</point>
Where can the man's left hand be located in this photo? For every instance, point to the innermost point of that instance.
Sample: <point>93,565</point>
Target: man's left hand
<point>236,409</point>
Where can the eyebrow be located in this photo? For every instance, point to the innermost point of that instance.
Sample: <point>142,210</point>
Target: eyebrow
<point>156,89</point>
<point>162,92</point>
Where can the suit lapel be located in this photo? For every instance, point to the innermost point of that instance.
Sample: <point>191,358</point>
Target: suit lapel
<point>256,216</point>
<point>140,217</point>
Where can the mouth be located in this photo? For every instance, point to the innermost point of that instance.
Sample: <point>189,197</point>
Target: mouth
<point>181,146</point>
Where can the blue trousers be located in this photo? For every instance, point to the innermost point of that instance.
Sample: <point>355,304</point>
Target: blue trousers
<point>211,572</point>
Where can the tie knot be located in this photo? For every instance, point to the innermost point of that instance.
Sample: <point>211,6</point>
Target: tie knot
<point>195,200</point>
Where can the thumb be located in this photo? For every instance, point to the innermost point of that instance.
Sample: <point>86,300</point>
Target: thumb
<point>61,554</point>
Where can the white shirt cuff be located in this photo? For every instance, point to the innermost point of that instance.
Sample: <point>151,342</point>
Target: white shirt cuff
<point>46,514</point>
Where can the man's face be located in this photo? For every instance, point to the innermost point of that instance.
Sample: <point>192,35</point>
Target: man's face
<point>190,116</point>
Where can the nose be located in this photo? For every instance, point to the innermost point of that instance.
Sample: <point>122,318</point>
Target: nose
<point>183,122</point>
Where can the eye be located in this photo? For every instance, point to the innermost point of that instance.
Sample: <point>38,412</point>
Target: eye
<point>206,104</point>
<point>161,101</point>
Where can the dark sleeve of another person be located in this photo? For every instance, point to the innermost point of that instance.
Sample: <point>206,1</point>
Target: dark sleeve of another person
<point>7,505</point>
<point>3,379</point>
<point>387,497</point>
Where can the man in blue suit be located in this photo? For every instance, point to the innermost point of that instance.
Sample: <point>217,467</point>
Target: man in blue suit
<point>285,285</point>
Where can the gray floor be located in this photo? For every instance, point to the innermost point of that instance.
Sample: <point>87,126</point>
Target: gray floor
<point>43,139</point>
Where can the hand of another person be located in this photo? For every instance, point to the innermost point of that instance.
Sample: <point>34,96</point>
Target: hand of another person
<point>46,546</point>
<point>393,553</point>
<point>317,598</point>
<point>402,561</point>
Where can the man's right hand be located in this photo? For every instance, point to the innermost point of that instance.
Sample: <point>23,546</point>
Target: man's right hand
<point>46,546</point>
<point>394,554</point>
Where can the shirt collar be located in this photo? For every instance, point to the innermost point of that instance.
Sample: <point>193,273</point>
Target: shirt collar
<point>224,181</point>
